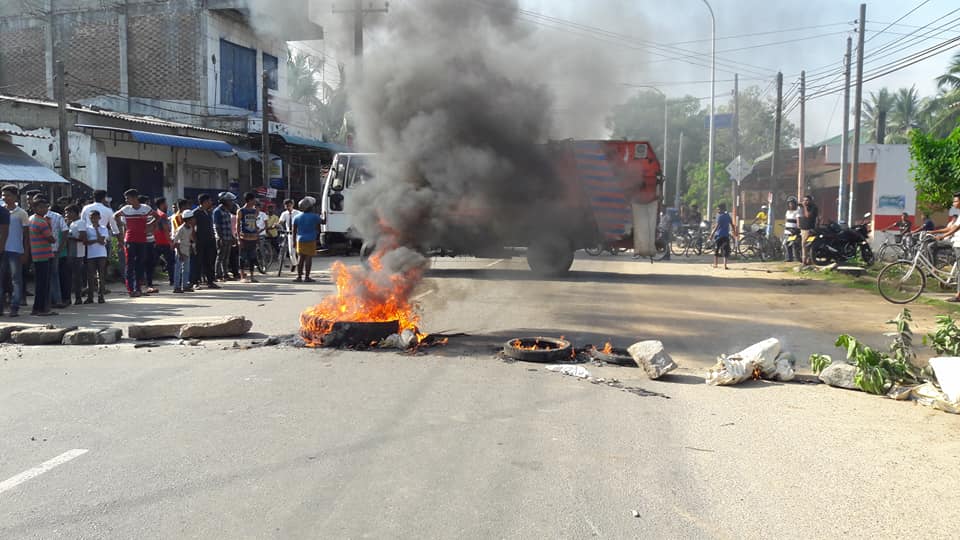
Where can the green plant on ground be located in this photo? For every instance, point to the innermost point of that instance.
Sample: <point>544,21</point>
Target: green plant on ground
<point>819,362</point>
<point>946,338</point>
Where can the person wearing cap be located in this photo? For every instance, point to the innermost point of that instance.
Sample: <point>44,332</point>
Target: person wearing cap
<point>306,229</point>
<point>133,218</point>
<point>41,250</point>
<point>224,229</point>
<point>183,245</point>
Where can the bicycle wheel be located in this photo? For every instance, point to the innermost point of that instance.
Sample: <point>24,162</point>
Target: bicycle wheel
<point>900,283</point>
<point>268,255</point>
<point>748,247</point>
<point>889,253</point>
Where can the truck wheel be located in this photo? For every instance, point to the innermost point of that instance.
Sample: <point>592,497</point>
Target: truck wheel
<point>550,257</point>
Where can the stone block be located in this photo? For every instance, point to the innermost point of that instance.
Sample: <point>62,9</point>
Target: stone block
<point>109,335</point>
<point>6,329</point>
<point>41,336</point>
<point>225,327</point>
<point>651,356</point>
<point>840,375</point>
<point>82,336</point>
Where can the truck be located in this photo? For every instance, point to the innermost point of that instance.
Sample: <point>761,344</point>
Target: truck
<point>609,193</point>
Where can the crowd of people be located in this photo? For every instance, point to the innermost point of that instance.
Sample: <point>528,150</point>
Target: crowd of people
<point>69,244</point>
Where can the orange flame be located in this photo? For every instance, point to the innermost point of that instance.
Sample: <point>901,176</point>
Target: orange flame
<point>364,295</point>
<point>607,349</point>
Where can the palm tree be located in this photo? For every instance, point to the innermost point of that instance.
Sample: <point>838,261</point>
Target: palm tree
<point>951,79</point>
<point>876,110</point>
<point>905,114</point>
<point>302,71</point>
<point>326,105</point>
<point>943,112</point>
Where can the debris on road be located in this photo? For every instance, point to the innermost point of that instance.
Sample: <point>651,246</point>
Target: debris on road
<point>760,360</point>
<point>947,371</point>
<point>840,375</point>
<point>611,355</point>
<point>539,349</point>
<point>7,329</point>
<point>570,369</point>
<point>651,356</point>
<point>636,514</point>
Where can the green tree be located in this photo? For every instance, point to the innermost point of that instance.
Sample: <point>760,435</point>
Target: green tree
<point>697,190</point>
<point>951,79</point>
<point>936,166</point>
<point>875,108</point>
<point>757,121</point>
<point>905,115</point>
<point>326,105</point>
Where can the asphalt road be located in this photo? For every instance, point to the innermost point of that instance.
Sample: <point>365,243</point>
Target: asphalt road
<point>217,442</point>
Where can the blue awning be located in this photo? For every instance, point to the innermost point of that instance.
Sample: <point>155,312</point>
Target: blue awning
<point>17,166</point>
<point>314,143</point>
<point>148,137</point>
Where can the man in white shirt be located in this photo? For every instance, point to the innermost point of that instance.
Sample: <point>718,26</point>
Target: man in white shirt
<point>951,232</point>
<point>286,229</point>
<point>106,213</point>
<point>14,252</point>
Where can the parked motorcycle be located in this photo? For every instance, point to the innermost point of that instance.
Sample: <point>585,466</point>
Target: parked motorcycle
<point>833,243</point>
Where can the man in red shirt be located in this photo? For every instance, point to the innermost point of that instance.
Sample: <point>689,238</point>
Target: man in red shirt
<point>162,234</point>
<point>133,224</point>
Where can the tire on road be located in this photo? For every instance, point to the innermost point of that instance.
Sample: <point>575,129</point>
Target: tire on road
<point>538,349</point>
<point>550,256</point>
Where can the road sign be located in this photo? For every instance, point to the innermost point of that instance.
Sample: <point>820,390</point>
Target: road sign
<point>739,168</point>
<point>720,121</point>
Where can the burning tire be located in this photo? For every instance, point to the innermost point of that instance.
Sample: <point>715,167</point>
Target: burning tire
<point>538,349</point>
<point>550,257</point>
<point>613,355</point>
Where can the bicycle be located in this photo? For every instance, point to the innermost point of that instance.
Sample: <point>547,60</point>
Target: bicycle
<point>902,282</point>
<point>596,251</point>
<point>266,255</point>
<point>902,247</point>
<point>286,253</point>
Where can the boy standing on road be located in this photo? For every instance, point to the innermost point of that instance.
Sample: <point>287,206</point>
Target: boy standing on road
<point>97,238</point>
<point>41,249</point>
<point>721,234</point>
<point>306,229</point>
<point>183,245</point>
<point>248,231</point>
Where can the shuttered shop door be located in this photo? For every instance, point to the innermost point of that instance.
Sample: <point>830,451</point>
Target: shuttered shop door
<point>238,76</point>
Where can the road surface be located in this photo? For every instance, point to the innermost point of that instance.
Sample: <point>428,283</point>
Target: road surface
<point>217,442</point>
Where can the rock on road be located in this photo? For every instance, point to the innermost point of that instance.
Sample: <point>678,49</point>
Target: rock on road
<point>214,442</point>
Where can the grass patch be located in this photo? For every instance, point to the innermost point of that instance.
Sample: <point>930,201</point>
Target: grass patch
<point>868,282</point>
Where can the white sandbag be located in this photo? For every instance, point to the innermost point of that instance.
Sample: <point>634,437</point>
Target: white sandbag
<point>785,368</point>
<point>947,370</point>
<point>730,370</point>
<point>572,370</point>
<point>645,229</point>
<point>929,395</point>
<point>764,354</point>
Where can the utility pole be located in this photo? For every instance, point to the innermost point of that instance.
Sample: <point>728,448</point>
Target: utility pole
<point>801,168</point>
<point>857,105</point>
<point>358,11</point>
<point>844,164</point>
<point>736,143</point>
<point>676,196</point>
<point>62,133</point>
<point>774,163</point>
<point>666,120</point>
<point>265,131</point>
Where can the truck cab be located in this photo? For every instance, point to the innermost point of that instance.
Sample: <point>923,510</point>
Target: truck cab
<point>347,172</point>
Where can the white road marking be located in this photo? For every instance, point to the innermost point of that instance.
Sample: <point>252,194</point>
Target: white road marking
<point>494,263</point>
<point>46,466</point>
<point>423,295</point>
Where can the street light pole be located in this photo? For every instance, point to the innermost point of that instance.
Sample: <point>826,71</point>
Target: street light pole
<point>713,94</point>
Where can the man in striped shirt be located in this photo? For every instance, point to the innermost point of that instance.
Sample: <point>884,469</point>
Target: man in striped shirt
<point>41,250</point>
<point>133,222</point>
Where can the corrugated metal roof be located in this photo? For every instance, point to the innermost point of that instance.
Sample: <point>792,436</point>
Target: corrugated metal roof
<point>148,137</point>
<point>21,134</point>
<point>133,118</point>
<point>17,166</point>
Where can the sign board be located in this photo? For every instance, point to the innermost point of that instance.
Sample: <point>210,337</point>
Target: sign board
<point>897,202</point>
<point>720,121</point>
<point>271,193</point>
<point>739,168</point>
<point>276,168</point>
<point>277,183</point>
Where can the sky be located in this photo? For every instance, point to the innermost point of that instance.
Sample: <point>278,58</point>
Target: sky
<point>667,45</point>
